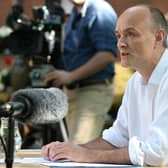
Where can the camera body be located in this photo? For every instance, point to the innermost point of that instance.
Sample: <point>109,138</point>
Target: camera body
<point>37,41</point>
<point>38,73</point>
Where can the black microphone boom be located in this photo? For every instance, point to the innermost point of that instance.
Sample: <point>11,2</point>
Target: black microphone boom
<point>36,105</point>
<point>16,109</point>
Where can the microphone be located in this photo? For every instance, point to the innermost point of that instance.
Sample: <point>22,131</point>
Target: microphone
<point>36,105</point>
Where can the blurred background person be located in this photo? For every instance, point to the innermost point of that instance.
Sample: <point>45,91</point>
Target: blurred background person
<point>89,53</point>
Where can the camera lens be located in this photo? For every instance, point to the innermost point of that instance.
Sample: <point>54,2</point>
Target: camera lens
<point>36,75</point>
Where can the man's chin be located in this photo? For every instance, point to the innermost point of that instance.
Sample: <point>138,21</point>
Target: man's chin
<point>124,64</point>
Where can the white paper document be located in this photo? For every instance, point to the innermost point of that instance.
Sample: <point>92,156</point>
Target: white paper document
<point>74,164</point>
<point>64,163</point>
<point>61,163</point>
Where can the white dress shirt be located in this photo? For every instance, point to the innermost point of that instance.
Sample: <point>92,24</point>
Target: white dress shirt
<point>142,120</point>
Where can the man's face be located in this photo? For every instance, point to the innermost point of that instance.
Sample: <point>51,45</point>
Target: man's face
<point>136,40</point>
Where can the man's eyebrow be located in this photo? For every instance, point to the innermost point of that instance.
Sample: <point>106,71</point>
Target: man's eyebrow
<point>130,29</point>
<point>125,30</point>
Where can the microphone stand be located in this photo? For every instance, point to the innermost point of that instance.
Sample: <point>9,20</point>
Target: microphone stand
<point>10,143</point>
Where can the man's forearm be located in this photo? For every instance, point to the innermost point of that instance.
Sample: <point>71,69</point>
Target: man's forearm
<point>118,156</point>
<point>100,151</point>
<point>96,64</point>
<point>98,143</point>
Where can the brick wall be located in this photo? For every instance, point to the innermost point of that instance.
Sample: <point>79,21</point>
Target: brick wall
<point>5,8</point>
<point>119,5</point>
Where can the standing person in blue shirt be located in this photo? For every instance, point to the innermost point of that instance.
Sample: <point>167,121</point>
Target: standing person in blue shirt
<point>89,53</point>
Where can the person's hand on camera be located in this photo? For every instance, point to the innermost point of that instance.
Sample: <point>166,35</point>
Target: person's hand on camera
<point>59,77</point>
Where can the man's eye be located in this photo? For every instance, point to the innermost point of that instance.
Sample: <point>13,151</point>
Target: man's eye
<point>118,36</point>
<point>130,34</point>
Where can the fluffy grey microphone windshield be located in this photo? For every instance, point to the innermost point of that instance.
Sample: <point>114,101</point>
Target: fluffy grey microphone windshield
<point>47,105</point>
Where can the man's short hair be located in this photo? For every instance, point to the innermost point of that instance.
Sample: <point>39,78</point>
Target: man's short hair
<point>158,19</point>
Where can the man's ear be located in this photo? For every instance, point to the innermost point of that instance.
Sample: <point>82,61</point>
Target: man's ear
<point>160,36</point>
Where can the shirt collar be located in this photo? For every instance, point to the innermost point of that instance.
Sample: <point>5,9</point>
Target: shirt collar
<point>160,69</point>
<point>84,8</point>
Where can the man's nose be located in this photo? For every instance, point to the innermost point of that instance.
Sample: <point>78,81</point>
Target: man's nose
<point>122,42</point>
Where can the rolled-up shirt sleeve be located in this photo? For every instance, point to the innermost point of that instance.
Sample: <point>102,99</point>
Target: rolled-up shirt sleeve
<point>135,152</point>
<point>118,133</point>
<point>152,152</point>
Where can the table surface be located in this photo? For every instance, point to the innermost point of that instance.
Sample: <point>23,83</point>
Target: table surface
<point>26,153</point>
<point>37,153</point>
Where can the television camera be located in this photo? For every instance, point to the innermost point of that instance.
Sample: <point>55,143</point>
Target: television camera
<point>36,45</point>
<point>36,41</point>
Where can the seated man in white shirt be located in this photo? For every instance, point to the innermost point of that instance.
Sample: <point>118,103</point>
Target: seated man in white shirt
<point>140,133</point>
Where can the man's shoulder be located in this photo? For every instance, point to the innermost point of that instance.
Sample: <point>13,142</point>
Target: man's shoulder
<point>136,77</point>
<point>102,7</point>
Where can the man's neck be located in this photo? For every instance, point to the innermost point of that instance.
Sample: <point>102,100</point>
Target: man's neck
<point>147,72</point>
<point>78,8</point>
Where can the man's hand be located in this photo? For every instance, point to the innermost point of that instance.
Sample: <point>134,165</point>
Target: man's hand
<point>59,78</point>
<point>80,153</point>
<point>65,150</point>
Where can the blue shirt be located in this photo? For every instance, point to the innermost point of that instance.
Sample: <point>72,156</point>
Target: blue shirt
<point>86,35</point>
